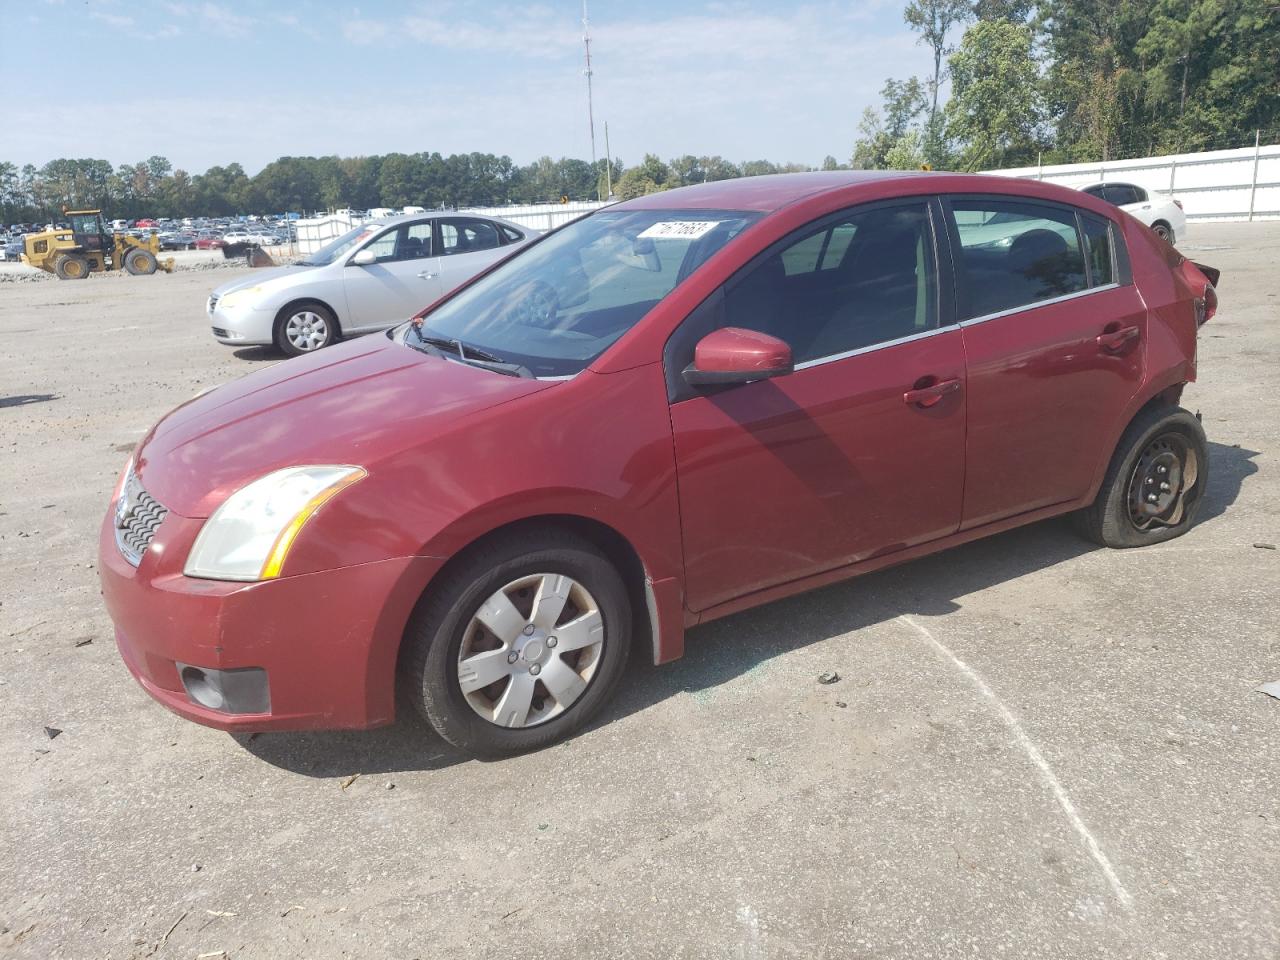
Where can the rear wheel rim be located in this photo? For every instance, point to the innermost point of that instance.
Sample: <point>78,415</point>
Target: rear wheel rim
<point>530,651</point>
<point>1165,483</point>
<point>307,330</point>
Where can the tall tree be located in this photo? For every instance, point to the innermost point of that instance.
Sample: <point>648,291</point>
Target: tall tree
<point>933,20</point>
<point>995,108</point>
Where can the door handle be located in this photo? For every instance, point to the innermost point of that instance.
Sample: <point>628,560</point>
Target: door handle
<point>1117,341</point>
<point>427,275</point>
<point>929,395</point>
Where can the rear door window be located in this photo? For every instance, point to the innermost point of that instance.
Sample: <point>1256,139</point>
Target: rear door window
<point>467,235</point>
<point>1121,194</point>
<point>1099,254</point>
<point>1015,253</point>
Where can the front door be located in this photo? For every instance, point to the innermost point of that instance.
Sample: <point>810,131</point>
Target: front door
<point>1054,336</point>
<point>404,278</point>
<point>840,460</point>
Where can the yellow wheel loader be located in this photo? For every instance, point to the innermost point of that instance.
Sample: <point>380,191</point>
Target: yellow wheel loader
<point>90,246</point>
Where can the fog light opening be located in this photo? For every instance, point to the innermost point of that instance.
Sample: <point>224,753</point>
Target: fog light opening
<point>202,689</point>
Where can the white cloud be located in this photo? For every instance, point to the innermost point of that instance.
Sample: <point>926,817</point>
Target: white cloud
<point>219,19</point>
<point>112,19</point>
<point>366,32</point>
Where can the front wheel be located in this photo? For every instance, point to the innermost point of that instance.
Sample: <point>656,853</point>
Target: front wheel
<point>305,328</point>
<point>140,263</point>
<point>1163,231</point>
<point>517,647</point>
<point>1155,483</point>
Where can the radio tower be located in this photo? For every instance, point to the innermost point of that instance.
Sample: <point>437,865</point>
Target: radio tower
<point>591,120</point>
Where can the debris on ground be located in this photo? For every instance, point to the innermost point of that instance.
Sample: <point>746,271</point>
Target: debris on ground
<point>350,780</point>
<point>1271,689</point>
<point>841,704</point>
<point>829,677</point>
<point>1265,546</point>
<point>220,913</point>
<point>216,955</point>
<point>83,641</point>
<point>52,732</point>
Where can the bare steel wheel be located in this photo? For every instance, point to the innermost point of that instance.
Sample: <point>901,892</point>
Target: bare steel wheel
<point>530,651</point>
<point>305,328</point>
<point>518,642</point>
<point>1166,472</point>
<point>1154,484</point>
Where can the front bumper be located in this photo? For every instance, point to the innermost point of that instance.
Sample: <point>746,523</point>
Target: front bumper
<point>328,641</point>
<point>241,326</point>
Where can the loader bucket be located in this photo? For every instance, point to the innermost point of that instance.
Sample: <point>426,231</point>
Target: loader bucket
<point>257,257</point>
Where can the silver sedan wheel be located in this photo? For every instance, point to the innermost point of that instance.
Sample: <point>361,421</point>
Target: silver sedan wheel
<point>307,330</point>
<point>530,650</point>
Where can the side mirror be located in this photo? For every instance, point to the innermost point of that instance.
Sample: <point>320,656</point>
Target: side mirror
<point>364,258</point>
<point>734,355</point>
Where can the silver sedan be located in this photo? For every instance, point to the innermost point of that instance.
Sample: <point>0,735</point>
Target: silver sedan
<point>368,279</point>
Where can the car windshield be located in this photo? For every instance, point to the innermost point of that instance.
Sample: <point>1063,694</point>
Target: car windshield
<point>334,249</point>
<point>562,302</point>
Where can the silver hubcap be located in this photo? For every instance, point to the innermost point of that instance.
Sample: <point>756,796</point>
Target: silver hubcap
<point>530,651</point>
<point>307,330</point>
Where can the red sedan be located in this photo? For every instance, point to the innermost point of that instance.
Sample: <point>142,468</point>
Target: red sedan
<point>676,408</point>
<point>210,243</point>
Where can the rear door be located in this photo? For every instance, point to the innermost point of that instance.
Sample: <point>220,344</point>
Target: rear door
<point>1054,331</point>
<point>840,460</point>
<point>404,278</point>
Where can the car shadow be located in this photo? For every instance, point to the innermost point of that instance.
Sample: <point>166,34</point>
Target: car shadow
<point>258,354</point>
<point>724,649</point>
<point>408,744</point>
<point>26,399</point>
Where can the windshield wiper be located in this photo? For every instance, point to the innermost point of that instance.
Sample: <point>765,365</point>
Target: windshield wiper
<point>463,351</point>
<point>471,355</point>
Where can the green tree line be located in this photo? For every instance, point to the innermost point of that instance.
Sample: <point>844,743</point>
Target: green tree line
<point>1078,80</point>
<point>154,188</point>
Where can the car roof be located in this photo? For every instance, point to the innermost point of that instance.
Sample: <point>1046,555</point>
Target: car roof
<point>765,193</point>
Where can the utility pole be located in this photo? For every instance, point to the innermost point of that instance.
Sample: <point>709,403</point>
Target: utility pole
<point>591,120</point>
<point>608,165</point>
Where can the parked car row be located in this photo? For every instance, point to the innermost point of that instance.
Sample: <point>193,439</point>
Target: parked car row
<point>670,410</point>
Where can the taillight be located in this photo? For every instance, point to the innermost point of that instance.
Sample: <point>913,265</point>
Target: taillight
<point>1178,204</point>
<point>1210,302</point>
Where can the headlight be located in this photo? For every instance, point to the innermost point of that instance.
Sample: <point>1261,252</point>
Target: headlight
<point>236,296</point>
<point>249,536</point>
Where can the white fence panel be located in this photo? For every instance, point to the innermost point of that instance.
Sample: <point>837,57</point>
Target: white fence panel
<point>539,216</point>
<point>315,232</point>
<point>1241,184</point>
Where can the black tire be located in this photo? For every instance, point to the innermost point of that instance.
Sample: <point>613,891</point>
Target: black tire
<point>1161,435</point>
<point>1163,231</point>
<point>321,330</point>
<point>438,627</point>
<point>140,263</point>
<point>71,266</point>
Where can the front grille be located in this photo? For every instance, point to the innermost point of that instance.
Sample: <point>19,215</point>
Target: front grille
<point>138,516</point>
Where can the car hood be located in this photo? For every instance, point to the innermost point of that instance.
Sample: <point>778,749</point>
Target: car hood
<point>354,403</point>
<point>259,278</point>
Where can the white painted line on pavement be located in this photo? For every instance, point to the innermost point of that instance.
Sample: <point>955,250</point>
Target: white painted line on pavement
<point>1032,751</point>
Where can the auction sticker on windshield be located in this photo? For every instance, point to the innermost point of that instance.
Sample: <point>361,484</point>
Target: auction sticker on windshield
<point>679,229</point>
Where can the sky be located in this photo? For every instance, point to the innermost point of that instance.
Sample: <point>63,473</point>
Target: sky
<point>208,83</point>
